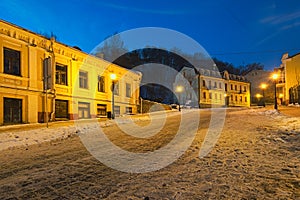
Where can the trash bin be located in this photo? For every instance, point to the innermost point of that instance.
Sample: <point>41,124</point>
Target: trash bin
<point>109,114</point>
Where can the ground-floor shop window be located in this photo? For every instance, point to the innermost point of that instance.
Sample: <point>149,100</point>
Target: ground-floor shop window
<point>129,110</point>
<point>61,108</point>
<point>12,110</point>
<point>117,110</point>
<point>101,110</point>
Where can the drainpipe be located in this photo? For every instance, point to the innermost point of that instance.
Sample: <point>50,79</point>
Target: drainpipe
<point>52,114</point>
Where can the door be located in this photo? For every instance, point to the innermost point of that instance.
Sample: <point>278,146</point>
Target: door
<point>83,110</point>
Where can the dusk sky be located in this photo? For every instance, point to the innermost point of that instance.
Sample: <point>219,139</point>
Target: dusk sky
<point>239,32</point>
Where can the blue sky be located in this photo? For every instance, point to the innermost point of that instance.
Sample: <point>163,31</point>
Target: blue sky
<point>239,32</point>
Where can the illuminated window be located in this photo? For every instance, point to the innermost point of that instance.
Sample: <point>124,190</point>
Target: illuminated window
<point>12,62</point>
<point>101,110</point>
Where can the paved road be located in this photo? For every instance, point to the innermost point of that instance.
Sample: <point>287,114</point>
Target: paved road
<point>248,162</point>
<point>290,111</point>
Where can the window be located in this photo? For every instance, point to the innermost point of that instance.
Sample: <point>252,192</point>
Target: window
<point>215,86</point>
<point>210,95</point>
<point>220,96</point>
<point>235,87</point>
<point>241,99</point>
<point>226,87</point>
<point>245,99</point>
<point>12,110</point>
<point>216,96</point>
<point>101,110</point>
<point>116,88</point>
<point>236,98</point>
<point>245,89</point>
<point>203,83</point>
<point>128,90</point>
<point>231,86</point>
<point>240,88</point>
<point>220,85</point>
<point>117,110</point>
<point>101,84</point>
<point>231,97</point>
<point>61,108</point>
<point>61,74</point>
<point>83,79</point>
<point>12,62</point>
<point>204,95</point>
<point>209,84</point>
<point>129,110</point>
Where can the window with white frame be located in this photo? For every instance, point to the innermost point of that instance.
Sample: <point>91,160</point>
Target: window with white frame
<point>83,79</point>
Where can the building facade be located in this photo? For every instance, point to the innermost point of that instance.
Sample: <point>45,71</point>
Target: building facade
<point>42,79</point>
<point>210,88</point>
<point>288,84</point>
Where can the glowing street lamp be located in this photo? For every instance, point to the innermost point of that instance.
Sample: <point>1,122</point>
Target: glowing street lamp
<point>179,89</point>
<point>258,96</point>
<point>275,77</point>
<point>113,77</point>
<point>263,86</point>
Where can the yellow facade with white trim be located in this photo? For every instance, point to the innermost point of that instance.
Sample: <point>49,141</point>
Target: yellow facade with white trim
<point>22,93</point>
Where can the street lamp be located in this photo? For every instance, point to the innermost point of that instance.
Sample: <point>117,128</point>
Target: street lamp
<point>258,96</point>
<point>275,77</point>
<point>263,86</point>
<point>179,89</point>
<point>113,77</point>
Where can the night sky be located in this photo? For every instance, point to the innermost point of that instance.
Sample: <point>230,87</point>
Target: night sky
<point>239,32</point>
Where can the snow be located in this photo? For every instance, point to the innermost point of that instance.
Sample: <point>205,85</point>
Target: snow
<point>9,139</point>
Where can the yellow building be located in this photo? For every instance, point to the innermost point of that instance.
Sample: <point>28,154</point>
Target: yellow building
<point>42,79</point>
<point>288,84</point>
<point>212,88</point>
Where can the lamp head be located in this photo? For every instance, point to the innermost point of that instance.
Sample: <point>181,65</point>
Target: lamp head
<point>113,76</point>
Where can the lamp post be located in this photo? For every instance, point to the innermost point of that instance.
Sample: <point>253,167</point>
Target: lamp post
<point>113,78</point>
<point>275,77</point>
<point>263,87</point>
<point>179,89</point>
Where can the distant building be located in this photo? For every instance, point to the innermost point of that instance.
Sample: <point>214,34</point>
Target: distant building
<point>209,88</point>
<point>41,79</point>
<point>257,78</point>
<point>288,85</point>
